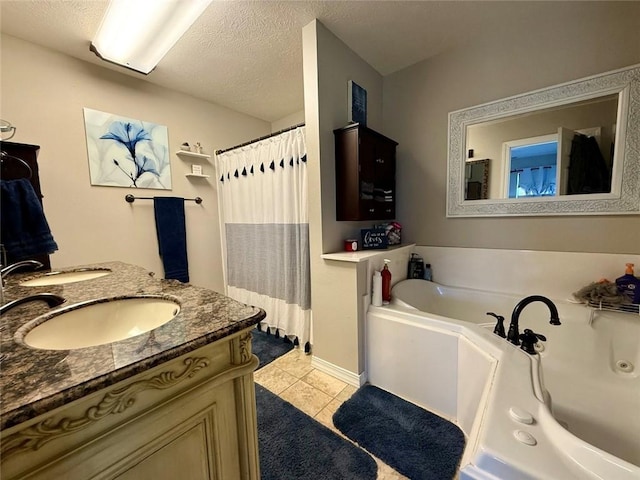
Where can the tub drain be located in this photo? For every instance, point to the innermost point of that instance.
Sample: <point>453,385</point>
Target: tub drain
<point>624,366</point>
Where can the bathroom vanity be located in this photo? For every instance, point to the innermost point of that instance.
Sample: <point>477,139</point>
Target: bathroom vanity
<point>175,402</point>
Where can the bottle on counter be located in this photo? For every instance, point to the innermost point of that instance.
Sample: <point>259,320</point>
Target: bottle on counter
<point>415,268</point>
<point>386,282</point>
<point>628,285</point>
<point>427,272</point>
<point>376,295</point>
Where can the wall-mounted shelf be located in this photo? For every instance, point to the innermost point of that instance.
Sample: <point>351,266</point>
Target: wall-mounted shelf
<point>196,175</point>
<point>200,156</point>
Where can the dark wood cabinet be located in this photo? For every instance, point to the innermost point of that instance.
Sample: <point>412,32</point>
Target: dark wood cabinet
<point>12,169</point>
<point>365,174</point>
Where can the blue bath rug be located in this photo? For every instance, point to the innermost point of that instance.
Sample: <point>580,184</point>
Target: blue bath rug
<point>415,442</point>
<point>267,347</point>
<point>292,445</point>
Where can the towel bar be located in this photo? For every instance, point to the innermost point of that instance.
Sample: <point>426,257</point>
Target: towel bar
<point>130,199</point>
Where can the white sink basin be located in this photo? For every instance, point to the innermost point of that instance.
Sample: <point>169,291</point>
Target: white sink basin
<point>59,278</point>
<point>97,322</point>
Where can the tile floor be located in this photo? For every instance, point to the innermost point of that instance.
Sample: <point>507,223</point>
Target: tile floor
<point>317,394</point>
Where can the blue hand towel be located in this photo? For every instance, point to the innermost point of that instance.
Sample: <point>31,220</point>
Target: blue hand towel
<point>172,237</point>
<point>25,231</point>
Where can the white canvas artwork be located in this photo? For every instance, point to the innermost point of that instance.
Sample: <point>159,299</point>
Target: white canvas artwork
<point>124,152</point>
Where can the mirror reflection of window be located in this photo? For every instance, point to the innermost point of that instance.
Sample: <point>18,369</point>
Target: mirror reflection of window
<point>532,167</point>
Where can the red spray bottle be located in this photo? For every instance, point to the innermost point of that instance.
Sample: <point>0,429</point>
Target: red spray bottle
<point>386,282</point>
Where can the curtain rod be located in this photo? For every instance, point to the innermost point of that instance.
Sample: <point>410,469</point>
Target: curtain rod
<point>218,152</point>
<point>130,198</point>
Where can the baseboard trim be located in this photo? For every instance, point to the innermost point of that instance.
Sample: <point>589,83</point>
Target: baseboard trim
<point>338,372</point>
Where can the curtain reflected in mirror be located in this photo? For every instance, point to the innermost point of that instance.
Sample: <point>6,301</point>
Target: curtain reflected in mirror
<point>476,185</point>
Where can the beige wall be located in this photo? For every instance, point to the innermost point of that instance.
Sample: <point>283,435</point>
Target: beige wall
<point>43,94</point>
<point>288,121</point>
<point>581,40</point>
<point>336,291</point>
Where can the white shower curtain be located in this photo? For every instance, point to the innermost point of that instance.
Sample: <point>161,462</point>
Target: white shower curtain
<point>262,189</point>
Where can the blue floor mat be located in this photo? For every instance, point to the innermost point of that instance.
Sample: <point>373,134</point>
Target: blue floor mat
<point>415,442</point>
<point>267,347</point>
<point>292,445</point>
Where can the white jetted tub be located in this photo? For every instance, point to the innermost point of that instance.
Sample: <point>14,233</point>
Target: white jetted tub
<point>571,412</point>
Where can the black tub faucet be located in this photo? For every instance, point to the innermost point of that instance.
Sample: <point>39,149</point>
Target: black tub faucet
<point>499,328</point>
<point>514,334</point>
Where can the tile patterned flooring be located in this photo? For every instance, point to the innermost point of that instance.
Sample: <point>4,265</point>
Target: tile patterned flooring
<point>319,395</point>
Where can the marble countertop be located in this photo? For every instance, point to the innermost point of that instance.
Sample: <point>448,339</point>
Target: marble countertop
<point>33,382</point>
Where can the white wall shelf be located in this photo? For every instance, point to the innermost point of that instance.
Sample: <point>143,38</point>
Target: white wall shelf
<point>200,156</point>
<point>196,175</point>
<point>362,255</point>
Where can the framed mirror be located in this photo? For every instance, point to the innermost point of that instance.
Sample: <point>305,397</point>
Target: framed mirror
<point>571,149</point>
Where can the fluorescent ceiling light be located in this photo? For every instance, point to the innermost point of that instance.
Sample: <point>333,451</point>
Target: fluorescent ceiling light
<point>138,33</point>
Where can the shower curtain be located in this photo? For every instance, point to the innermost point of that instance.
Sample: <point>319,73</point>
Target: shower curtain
<point>536,181</point>
<point>265,230</point>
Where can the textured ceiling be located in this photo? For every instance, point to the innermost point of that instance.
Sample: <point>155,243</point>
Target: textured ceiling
<point>247,55</point>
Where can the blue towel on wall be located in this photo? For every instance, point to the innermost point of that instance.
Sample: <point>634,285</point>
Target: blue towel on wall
<point>25,231</point>
<point>172,237</point>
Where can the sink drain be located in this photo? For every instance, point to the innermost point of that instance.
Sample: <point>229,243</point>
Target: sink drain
<point>624,366</point>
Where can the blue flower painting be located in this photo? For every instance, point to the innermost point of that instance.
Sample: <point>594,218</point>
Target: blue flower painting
<point>124,152</point>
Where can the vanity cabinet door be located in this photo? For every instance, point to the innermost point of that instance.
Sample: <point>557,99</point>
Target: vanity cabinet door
<point>181,458</point>
<point>365,174</point>
<point>201,446</point>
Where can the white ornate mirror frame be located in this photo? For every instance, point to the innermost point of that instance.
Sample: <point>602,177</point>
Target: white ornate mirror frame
<point>625,192</point>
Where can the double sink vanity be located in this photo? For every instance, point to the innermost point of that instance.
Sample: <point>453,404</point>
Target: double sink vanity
<point>131,377</point>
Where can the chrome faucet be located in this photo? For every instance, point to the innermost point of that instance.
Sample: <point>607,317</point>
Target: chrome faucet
<point>51,299</point>
<point>4,271</point>
<point>514,334</point>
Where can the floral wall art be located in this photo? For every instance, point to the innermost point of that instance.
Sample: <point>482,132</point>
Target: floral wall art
<point>124,152</point>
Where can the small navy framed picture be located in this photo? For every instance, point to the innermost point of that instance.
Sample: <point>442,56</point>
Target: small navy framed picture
<point>357,104</point>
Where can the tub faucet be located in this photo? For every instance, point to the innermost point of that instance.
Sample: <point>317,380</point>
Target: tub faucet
<point>51,299</point>
<point>514,334</point>
<point>499,328</point>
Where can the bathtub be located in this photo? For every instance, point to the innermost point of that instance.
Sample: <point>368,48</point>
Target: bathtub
<point>569,412</point>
